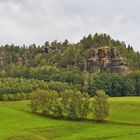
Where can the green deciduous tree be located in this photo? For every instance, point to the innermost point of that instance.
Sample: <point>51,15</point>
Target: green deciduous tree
<point>100,105</point>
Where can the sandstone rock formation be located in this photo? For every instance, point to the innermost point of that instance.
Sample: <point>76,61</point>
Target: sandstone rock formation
<point>22,59</point>
<point>3,58</point>
<point>105,58</point>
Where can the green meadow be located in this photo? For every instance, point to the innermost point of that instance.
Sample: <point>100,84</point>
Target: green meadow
<point>17,122</point>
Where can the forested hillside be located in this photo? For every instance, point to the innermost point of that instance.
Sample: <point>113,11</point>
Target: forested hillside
<point>57,64</point>
<point>64,54</point>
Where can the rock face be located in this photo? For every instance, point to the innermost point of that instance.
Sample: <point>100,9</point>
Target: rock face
<point>3,58</point>
<point>105,58</point>
<point>22,59</point>
<point>48,48</point>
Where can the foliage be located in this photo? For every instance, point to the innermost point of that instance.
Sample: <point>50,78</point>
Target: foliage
<point>135,76</point>
<point>101,105</point>
<point>14,97</point>
<point>69,104</point>
<point>20,85</point>
<point>113,83</point>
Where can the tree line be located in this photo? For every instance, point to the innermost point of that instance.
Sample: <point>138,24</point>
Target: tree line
<point>58,79</point>
<point>65,54</point>
<point>70,104</point>
<point>114,84</point>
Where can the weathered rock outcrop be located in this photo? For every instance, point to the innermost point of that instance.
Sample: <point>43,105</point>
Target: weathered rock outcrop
<point>22,59</point>
<point>3,58</point>
<point>105,58</point>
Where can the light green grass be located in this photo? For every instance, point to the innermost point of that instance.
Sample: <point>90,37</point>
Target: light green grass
<point>18,123</point>
<point>125,109</point>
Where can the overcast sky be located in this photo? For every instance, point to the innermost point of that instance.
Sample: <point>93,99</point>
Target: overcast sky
<point>35,21</point>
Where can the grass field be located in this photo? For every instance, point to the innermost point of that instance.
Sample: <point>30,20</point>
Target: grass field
<point>18,123</point>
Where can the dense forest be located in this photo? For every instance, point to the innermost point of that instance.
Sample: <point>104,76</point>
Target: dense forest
<point>55,66</point>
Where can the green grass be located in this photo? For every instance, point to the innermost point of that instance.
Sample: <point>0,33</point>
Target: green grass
<point>18,123</point>
<point>125,109</point>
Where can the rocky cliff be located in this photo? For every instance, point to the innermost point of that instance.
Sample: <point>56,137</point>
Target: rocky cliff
<point>105,58</point>
<point>3,58</point>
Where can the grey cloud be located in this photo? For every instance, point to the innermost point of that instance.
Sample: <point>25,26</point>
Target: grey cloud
<point>28,21</point>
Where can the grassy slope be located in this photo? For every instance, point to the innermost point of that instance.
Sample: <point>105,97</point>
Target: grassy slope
<point>18,123</point>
